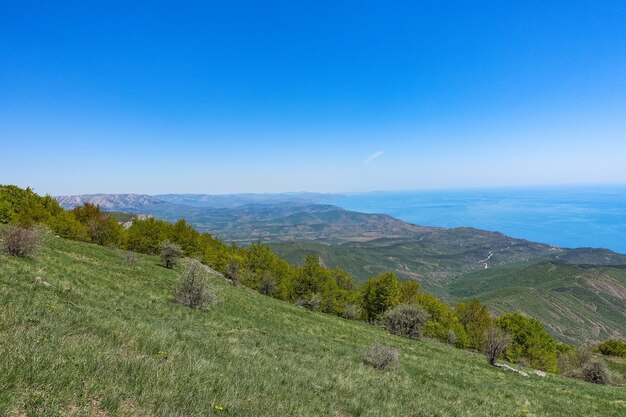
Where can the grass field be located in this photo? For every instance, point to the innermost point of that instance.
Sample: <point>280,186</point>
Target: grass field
<point>105,340</point>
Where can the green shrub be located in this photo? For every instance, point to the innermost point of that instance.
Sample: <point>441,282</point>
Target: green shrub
<point>613,347</point>
<point>380,356</point>
<point>405,320</point>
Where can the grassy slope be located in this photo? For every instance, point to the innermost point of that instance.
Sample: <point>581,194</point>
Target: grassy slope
<point>106,340</point>
<point>574,303</point>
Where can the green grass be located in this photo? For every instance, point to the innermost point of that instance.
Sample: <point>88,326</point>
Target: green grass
<point>106,340</point>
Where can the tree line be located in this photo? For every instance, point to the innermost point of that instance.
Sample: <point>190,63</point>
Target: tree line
<point>383,299</point>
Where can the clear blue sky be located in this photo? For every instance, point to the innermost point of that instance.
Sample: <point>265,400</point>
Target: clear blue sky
<point>230,96</point>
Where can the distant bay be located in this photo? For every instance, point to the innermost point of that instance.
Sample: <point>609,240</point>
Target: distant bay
<point>563,216</point>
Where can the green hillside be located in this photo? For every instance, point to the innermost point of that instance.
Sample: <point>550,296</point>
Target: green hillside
<point>432,257</point>
<point>579,294</point>
<point>84,334</point>
<point>576,303</point>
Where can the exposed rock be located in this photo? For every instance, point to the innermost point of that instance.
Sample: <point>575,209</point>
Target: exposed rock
<point>510,368</point>
<point>539,373</point>
<point>40,281</point>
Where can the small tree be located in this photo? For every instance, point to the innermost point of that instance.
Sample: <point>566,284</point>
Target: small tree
<point>233,272</point>
<point>170,253</point>
<point>21,241</point>
<point>193,289</point>
<point>405,320</point>
<point>380,293</point>
<point>494,342</point>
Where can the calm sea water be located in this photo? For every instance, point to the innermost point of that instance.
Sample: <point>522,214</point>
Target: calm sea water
<point>563,216</point>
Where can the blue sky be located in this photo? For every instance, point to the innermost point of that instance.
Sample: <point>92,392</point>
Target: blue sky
<point>215,97</point>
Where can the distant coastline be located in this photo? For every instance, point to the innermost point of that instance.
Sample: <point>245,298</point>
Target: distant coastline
<point>565,216</point>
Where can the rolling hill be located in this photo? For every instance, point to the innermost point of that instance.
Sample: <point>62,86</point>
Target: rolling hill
<point>84,333</point>
<point>576,303</point>
<point>578,293</point>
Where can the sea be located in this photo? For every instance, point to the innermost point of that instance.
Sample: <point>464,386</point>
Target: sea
<point>569,217</point>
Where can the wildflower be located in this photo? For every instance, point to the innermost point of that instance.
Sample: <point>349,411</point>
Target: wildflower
<point>217,407</point>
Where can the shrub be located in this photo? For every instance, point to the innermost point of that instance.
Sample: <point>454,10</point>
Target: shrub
<point>130,258</point>
<point>311,302</point>
<point>193,289</point>
<point>405,320</point>
<point>268,286</point>
<point>170,253</point>
<point>613,347</point>
<point>380,356</point>
<point>495,340</point>
<point>351,311</point>
<point>596,372</point>
<point>21,241</point>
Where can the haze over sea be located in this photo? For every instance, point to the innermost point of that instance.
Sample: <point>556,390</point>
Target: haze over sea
<point>573,216</point>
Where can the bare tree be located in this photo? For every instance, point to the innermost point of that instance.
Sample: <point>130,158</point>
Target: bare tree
<point>494,343</point>
<point>193,289</point>
<point>233,273</point>
<point>170,253</point>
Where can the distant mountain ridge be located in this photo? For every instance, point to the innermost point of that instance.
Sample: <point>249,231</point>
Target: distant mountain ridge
<point>257,217</point>
<point>110,202</point>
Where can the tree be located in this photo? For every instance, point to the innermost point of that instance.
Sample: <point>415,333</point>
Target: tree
<point>170,253</point>
<point>146,235</point>
<point>475,319</point>
<point>380,294</point>
<point>409,291</point>
<point>442,319</point>
<point>101,227</point>
<point>495,341</point>
<point>65,224</point>
<point>530,341</point>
